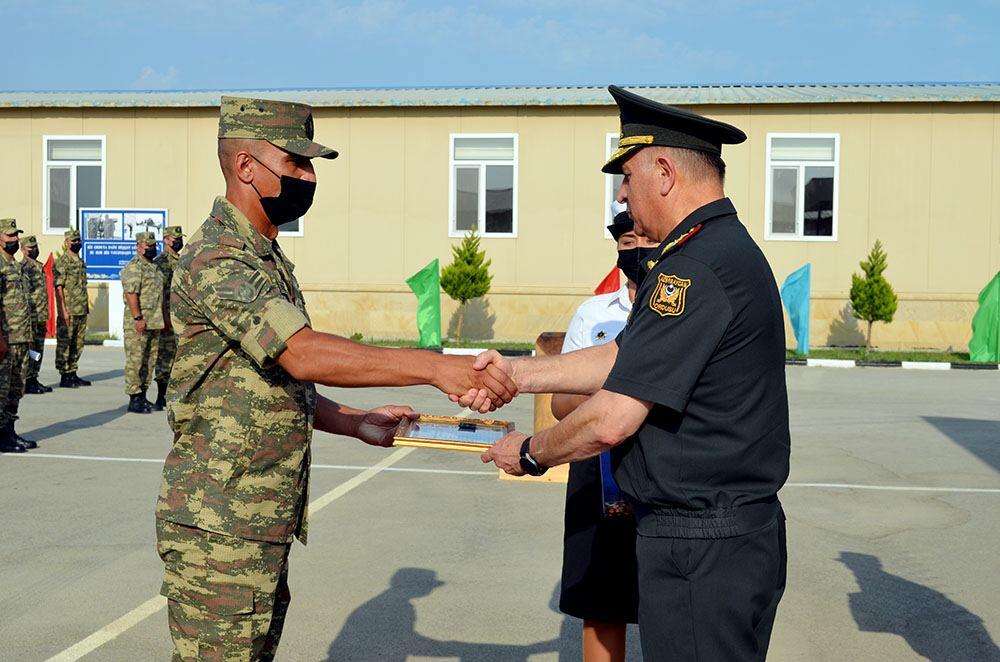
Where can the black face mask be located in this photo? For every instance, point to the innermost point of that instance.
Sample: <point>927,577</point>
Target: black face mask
<point>294,200</point>
<point>178,245</point>
<point>632,261</point>
<point>75,246</point>
<point>11,246</point>
<point>149,253</point>
<point>33,253</point>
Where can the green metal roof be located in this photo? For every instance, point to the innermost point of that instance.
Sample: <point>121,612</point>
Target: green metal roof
<point>525,96</point>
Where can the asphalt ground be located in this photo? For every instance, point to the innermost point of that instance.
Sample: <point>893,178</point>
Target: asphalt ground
<point>892,512</point>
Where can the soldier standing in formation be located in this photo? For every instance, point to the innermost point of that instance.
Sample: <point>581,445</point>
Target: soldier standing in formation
<point>173,241</point>
<point>34,275</point>
<point>72,308</point>
<point>143,287</point>
<point>18,334</point>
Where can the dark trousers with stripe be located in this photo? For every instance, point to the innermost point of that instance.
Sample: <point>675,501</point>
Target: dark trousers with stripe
<point>710,600</point>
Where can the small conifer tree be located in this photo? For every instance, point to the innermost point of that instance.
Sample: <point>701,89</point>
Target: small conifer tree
<point>467,277</point>
<point>872,297</point>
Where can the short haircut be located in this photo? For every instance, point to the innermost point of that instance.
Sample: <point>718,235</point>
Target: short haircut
<point>228,147</point>
<point>701,165</point>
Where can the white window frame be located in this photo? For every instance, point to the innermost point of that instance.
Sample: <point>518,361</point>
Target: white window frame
<point>298,233</point>
<point>611,144</point>
<point>72,165</point>
<point>801,192</point>
<point>452,163</point>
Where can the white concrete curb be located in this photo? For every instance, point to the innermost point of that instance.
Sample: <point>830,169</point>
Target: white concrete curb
<point>114,343</point>
<point>463,351</point>
<point>830,363</point>
<point>925,365</point>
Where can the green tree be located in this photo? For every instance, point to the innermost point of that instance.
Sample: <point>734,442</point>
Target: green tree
<point>467,277</point>
<point>872,297</point>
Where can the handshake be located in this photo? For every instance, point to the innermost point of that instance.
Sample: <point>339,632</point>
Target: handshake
<point>483,383</point>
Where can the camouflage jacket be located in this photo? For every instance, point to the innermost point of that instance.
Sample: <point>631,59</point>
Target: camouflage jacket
<point>140,276</point>
<point>18,320</point>
<point>242,425</point>
<point>34,275</point>
<point>71,273</point>
<point>166,262</point>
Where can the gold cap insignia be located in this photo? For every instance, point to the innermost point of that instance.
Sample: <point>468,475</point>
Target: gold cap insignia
<point>669,295</point>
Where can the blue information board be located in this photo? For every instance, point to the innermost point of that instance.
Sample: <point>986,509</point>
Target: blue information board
<point>109,237</point>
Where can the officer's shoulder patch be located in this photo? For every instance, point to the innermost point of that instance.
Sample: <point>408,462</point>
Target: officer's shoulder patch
<point>669,295</point>
<point>244,290</point>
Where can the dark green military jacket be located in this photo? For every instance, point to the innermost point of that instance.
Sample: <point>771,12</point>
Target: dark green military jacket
<point>34,275</point>
<point>71,274</point>
<point>18,317</point>
<point>242,425</point>
<point>140,276</point>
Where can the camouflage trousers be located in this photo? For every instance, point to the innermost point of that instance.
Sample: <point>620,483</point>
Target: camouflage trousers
<point>13,369</point>
<point>165,357</point>
<point>38,344</point>
<point>69,343</point>
<point>226,597</point>
<point>140,358</point>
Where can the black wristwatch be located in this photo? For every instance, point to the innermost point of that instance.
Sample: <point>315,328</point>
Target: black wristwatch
<point>528,464</point>
<point>137,318</point>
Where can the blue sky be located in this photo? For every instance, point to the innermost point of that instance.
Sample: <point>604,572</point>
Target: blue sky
<point>240,44</point>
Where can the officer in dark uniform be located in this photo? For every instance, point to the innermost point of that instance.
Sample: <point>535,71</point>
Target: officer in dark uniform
<point>692,399</point>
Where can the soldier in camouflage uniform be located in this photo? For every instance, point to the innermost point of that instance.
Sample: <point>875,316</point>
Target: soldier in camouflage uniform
<point>241,398</point>
<point>34,274</point>
<point>72,308</point>
<point>18,330</point>
<point>173,241</point>
<point>142,290</point>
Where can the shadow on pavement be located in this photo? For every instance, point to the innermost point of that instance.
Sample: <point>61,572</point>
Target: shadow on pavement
<point>94,420</point>
<point>979,437</point>
<point>107,374</point>
<point>384,628</point>
<point>933,625</point>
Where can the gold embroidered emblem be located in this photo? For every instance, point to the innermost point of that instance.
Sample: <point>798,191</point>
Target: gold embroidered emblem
<point>669,295</point>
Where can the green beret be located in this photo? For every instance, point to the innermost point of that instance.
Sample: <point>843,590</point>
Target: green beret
<point>282,123</point>
<point>645,122</point>
<point>29,241</point>
<point>145,238</point>
<point>9,226</point>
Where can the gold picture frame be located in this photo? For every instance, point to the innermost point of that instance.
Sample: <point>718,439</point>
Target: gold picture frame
<point>451,433</point>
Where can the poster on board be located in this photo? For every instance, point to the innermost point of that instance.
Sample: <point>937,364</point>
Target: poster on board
<point>109,237</point>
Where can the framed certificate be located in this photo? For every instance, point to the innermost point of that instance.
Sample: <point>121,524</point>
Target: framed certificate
<point>451,433</point>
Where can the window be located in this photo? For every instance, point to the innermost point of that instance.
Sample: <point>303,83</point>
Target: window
<point>291,228</point>
<point>611,183</point>
<point>483,185</point>
<point>801,198</point>
<point>73,179</point>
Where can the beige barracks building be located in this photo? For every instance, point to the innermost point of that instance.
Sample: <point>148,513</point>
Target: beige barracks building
<point>826,171</point>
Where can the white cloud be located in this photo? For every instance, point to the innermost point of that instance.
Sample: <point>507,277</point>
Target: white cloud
<point>151,79</point>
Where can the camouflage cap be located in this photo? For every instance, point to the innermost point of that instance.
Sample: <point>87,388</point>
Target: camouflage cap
<point>29,241</point>
<point>145,238</point>
<point>72,234</point>
<point>173,231</point>
<point>9,226</point>
<point>282,123</point>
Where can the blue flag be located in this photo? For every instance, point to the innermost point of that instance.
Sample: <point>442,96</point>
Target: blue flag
<point>795,296</point>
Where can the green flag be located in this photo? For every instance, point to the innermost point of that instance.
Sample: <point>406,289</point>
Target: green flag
<point>426,284</point>
<point>985,344</point>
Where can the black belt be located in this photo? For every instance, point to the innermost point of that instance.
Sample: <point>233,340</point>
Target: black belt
<point>709,523</point>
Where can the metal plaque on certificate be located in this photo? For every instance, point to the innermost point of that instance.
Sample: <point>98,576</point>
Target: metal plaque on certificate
<point>451,433</point>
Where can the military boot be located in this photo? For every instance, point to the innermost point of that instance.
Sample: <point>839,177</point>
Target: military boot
<point>9,444</point>
<point>79,381</point>
<point>67,381</point>
<point>27,443</point>
<point>138,404</point>
<point>33,387</point>
<point>161,396</point>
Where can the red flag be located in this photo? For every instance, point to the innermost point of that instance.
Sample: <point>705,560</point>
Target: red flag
<point>611,282</point>
<point>50,325</point>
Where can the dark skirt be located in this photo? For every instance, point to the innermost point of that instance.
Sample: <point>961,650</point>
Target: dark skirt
<point>599,575</point>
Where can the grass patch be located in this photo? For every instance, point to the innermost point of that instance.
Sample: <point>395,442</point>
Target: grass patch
<point>854,354</point>
<point>98,338</point>
<point>485,344</point>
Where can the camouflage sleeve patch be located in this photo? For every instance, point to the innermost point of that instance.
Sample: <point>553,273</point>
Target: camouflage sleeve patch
<point>245,306</point>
